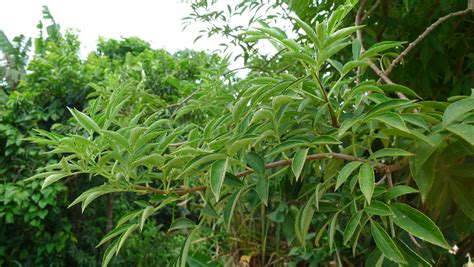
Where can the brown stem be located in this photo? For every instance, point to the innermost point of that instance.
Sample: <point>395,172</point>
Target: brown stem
<point>422,36</point>
<point>380,167</point>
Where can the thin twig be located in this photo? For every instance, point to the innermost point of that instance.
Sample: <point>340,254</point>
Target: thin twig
<point>182,102</point>
<point>371,10</point>
<point>422,36</point>
<point>380,167</point>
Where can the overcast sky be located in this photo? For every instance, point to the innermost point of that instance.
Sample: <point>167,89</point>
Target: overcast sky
<point>156,21</point>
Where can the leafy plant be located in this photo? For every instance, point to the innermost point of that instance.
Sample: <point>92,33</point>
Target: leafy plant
<point>312,165</point>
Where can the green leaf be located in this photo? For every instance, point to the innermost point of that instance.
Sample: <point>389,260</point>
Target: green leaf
<point>457,110</point>
<point>386,244</point>
<point>288,144</point>
<point>367,181</point>
<point>303,220</point>
<point>218,170</point>
<point>345,172</point>
<point>379,47</point>
<point>239,108</point>
<point>309,30</point>
<point>209,211</point>
<point>53,178</point>
<point>391,104</point>
<point>115,232</point>
<point>462,195</point>
<point>378,208</point>
<point>147,212</point>
<point>390,152</point>
<point>238,145</point>
<point>124,237</point>
<point>352,65</point>
<point>392,119</point>
<point>298,162</point>
<point>399,88</point>
<point>375,258</point>
<point>230,206</point>
<point>183,255</point>
<point>281,100</point>
<point>85,121</point>
<point>262,189</point>
<point>256,162</point>
<point>352,226</point>
<point>332,231</point>
<point>465,131</point>
<point>399,190</point>
<point>325,139</point>
<point>412,258</point>
<point>181,223</point>
<point>262,114</point>
<point>417,224</point>
<point>109,253</point>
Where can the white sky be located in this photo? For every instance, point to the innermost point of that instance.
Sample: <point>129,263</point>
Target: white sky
<point>156,21</point>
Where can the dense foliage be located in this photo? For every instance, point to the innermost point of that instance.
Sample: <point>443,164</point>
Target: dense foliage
<point>35,90</point>
<point>316,157</point>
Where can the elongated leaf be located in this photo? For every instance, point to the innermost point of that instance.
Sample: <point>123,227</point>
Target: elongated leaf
<point>124,237</point>
<point>325,139</point>
<point>456,110</point>
<point>238,145</point>
<point>239,108</point>
<point>262,189</point>
<point>181,223</point>
<point>401,89</point>
<point>256,162</point>
<point>465,131</point>
<point>303,220</point>
<point>399,190</point>
<point>218,170</point>
<point>390,152</point>
<point>230,206</point>
<point>379,47</point>
<point>147,212</point>
<point>332,231</point>
<point>378,208</point>
<point>386,106</point>
<point>281,100</point>
<point>385,243</point>
<point>367,181</point>
<point>309,30</point>
<point>53,178</point>
<point>345,172</point>
<point>463,196</point>
<point>392,119</point>
<point>115,232</point>
<point>183,255</point>
<point>298,162</point>
<point>85,121</point>
<point>109,253</point>
<point>352,226</point>
<point>412,258</point>
<point>417,224</point>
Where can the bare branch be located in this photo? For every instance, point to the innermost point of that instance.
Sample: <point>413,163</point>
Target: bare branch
<point>422,36</point>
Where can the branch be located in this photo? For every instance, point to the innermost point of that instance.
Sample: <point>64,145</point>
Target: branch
<point>380,167</point>
<point>360,17</point>
<point>182,102</point>
<point>371,10</point>
<point>422,36</point>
